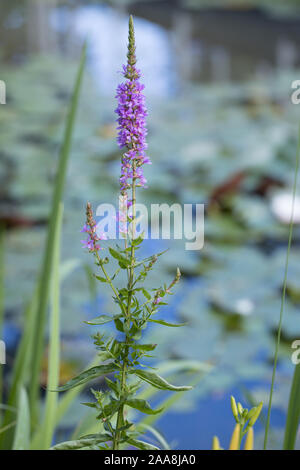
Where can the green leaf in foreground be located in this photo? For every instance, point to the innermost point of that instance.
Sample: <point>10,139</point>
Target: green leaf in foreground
<point>119,257</point>
<point>100,320</point>
<point>143,406</point>
<point>22,432</point>
<point>144,347</point>
<point>142,445</point>
<point>44,435</point>
<point>81,443</point>
<point>293,415</point>
<point>165,323</point>
<point>88,375</point>
<point>157,381</point>
<point>44,288</point>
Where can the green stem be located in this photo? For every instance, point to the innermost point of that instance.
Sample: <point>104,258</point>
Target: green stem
<point>120,416</point>
<point>283,293</point>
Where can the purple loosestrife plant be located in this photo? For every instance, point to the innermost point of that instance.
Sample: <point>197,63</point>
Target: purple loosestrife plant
<point>136,306</point>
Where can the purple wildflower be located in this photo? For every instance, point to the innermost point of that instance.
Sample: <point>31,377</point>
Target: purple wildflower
<point>90,228</point>
<point>132,114</point>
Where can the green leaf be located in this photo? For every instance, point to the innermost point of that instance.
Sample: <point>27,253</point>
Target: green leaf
<point>21,368</point>
<point>44,435</point>
<point>80,443</point>
<point>146,294</point>
<point>109,410</point>
<point>40,323</point>
<point>293,415</point>
<point>122,259</point>
<point>112,385</point>
<point>165,323</point>
<point>160,438</point>
<point>89,404</point>
<point>88,375</point>
<point>137,241</point>
<point>22,432</point>
<point>143,406</point>
<point>100,278</point>
<point>135,332</point>
<point>141,444</point>
<point>119,324</point>
<point>100,320</point>
<point>157,381</point>
<point>144,347</point>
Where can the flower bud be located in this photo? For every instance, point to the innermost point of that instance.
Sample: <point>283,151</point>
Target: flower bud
<point>240,408</point>
<point>256,414</point>
<point>234,409</point>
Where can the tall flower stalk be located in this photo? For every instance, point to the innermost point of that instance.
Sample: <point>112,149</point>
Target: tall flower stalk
<point>136,305</point>
<point>132,135</point>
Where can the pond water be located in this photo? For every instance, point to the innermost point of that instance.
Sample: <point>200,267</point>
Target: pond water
<point>201,137</point>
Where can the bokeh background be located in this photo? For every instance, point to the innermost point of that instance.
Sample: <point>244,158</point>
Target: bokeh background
<point>222,131</point>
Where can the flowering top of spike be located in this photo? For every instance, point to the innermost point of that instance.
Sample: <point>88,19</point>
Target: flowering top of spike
<point>132,114</point>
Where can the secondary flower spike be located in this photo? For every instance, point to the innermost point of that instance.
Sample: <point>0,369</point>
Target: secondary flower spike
<point>92,242</point>
<point>132,114</point>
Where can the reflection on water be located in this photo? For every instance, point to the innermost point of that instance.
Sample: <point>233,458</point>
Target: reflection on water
<point>100,25</point>
<point>175,45</point>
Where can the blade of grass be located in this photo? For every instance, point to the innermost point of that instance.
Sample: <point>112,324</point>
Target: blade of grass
<point>44,434</point>
<point>283,291</point>
<point>21,367</point>
<point>22,432</point>
<point>2,234</point>
<point>158,436</point>
<point>47,263</point>
<point>293,415</point>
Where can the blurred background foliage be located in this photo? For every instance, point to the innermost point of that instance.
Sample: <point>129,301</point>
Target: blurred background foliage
<point>222,131</point>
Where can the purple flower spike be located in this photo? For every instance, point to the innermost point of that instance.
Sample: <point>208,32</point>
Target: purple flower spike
<point>90,228</point>
<point>132,114</point>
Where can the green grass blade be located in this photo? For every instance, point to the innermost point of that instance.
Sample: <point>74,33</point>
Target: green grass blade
<point>283,292</point>
<point>22,431</point>
<point>2,275</point>
<point>293,415</point>
<point>44,434</point>
<point>158,436</point>
<point>20,371</point>
<point>47,263</point>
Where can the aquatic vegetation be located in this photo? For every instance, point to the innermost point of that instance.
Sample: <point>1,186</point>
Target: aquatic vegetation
<point>234,157</point>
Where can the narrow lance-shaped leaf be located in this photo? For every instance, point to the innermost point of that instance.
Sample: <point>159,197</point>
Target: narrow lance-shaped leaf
<point>88,375</point>
<point>101,320</point>
<point>81,443</point>
<point>165,323</point>
<point>39,327</point>
<point>122,259</point>
<point>22,432</point>
<point>293,415</point>
<point>157,381</point>
<point>144,347</point>
<point>142,445</point>
<point>44,435</point>
<point>143,406</point>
